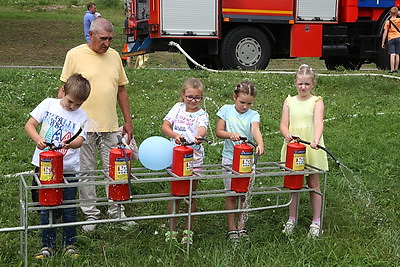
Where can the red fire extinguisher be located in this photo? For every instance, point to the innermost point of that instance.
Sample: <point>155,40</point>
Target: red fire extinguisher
<point>242,163</point>
<point>182,165</point>
<point>120,170</point>
<point>51,172</point>
<point>51,169</point>
<point>295,160</point>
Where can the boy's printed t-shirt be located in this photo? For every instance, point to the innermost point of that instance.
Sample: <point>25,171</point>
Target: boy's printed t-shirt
<point>58,124</point>
<point>236,123</point>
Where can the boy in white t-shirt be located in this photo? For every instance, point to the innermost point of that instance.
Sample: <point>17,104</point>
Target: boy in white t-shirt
<point>60,119</point>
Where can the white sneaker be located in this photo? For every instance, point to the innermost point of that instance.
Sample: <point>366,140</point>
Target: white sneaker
<point>314,231</point>
<point>123,216</point>
<point>288,228</point>
<point>89,227</point>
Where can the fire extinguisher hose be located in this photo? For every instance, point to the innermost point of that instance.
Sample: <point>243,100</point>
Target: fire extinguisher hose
<point>53,147</point>
<point>323,148</point>
<point>185,143</point>
<point>122,147</point>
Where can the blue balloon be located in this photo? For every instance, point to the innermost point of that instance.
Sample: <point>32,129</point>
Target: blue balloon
<point>155,153</point>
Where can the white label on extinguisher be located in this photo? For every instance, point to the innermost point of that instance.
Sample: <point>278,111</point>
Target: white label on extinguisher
<point>45,170</point>
<point>298,160</point>
<point>246,161</point>
<point>188,165</point>
<point>121,170</point>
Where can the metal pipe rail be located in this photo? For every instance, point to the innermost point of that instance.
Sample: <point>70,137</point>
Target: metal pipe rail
<point>100,178</point>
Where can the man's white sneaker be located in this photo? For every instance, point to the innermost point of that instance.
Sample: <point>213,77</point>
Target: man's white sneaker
<point>123,216</point>
<point>314,231</point>
<point>288,228</point>
<point>89,227</point>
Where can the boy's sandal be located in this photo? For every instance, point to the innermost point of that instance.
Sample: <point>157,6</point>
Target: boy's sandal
<point>187,237</point>
<point>45,252</point>
<point>171,236</point>
<point>71,251</point>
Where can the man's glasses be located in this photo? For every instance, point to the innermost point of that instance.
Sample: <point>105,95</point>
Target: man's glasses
<point>195,98</point>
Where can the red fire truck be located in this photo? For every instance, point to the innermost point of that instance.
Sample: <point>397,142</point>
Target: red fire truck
<point>246,34</point>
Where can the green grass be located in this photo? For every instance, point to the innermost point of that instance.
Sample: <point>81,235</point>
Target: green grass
<point>361,224</point>
<point>361,220</point>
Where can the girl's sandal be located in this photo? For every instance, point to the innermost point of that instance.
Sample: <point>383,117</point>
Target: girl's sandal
<point>243,234</point>
<point>187,237</point>
<point>171,236</point>
<point>45,252</point>
<point>233,236</point>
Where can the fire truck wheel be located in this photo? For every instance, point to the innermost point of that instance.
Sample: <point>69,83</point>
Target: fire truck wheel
<point>382,60</point>
<point>245,48</point>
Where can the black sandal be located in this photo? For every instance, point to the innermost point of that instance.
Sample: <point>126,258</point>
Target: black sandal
<point>45,252</point>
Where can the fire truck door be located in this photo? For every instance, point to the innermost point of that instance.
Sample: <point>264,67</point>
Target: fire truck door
<point>321,11</point>
<point>192,18</point>
<point>306,40</point>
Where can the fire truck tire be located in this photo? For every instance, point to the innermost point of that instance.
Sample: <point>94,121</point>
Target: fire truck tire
<point>347,63</point>
<point>246,48</point>
<point>382,60</point>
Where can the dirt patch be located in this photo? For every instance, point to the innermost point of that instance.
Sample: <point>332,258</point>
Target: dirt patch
<point>37,43</point>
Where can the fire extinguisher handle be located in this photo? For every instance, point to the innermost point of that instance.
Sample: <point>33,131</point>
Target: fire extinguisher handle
<point>252,143</point>
<point>243,138</point>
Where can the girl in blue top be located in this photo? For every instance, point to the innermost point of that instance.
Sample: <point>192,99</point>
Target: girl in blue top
<point>236,121</point>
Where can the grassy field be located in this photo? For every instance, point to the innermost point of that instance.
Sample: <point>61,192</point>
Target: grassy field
<point>362,120</point>
<point>361,217</point>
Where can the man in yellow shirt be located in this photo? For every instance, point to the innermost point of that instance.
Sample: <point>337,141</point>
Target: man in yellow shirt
<point>102,66</point>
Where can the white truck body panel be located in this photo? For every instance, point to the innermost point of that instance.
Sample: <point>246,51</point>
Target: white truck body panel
<point>308,10</point>
<point>189,18</point>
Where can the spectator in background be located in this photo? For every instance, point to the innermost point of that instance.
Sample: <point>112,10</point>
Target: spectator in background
<point>88,18</point>
<point>392,32</point>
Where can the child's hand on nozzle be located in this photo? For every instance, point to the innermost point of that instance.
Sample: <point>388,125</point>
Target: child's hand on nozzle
<point>64,144</point>
<point>41,144</point>
<point>314,144</point>
<point>198,139</point>
<point>179,139</point>
<point>289,138</point>
<point>235,137</point>
<point>260,150</point>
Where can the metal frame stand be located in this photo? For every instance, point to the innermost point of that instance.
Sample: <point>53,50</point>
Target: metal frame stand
<point>265,172</point>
